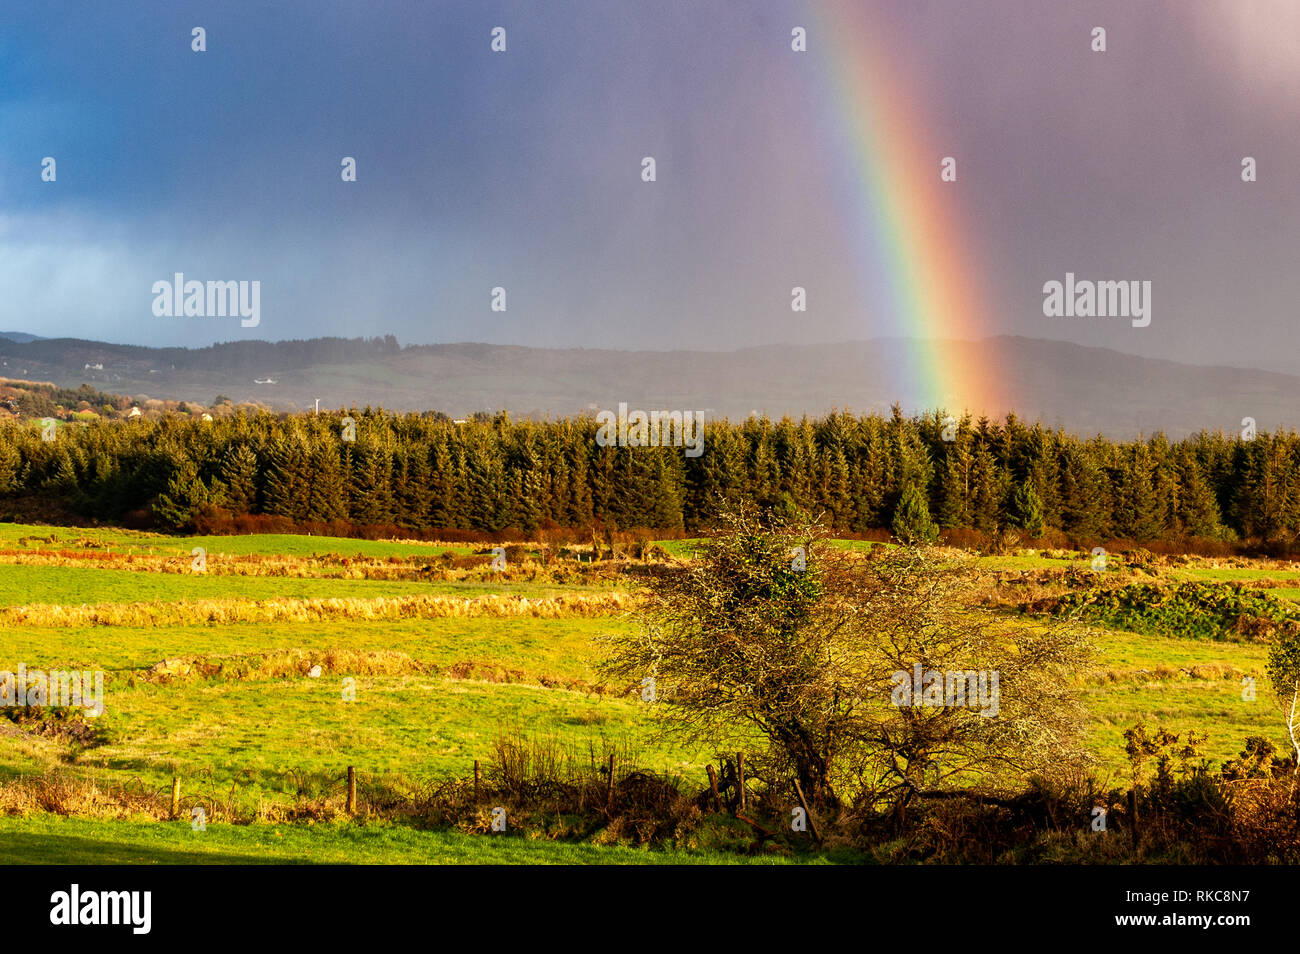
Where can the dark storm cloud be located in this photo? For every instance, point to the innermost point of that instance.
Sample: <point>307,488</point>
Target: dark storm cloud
<point>522,169</point>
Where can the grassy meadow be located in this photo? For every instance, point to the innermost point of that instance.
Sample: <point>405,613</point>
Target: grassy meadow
<point>208,677</point>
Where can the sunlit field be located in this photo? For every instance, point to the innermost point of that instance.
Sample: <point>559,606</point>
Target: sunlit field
<point>255,732</point>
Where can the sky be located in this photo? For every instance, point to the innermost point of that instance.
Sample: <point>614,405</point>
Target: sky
<point>523,169</point>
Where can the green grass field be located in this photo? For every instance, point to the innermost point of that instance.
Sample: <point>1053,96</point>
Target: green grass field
<point>258,728</point>
<point>51,839</point>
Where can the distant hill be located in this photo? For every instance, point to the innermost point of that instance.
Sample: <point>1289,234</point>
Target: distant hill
<point>1085,390</point>
<point>20,336</point>
<point>28,400</point>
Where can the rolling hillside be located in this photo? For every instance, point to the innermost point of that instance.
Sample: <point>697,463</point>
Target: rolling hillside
<point>1084,390</point>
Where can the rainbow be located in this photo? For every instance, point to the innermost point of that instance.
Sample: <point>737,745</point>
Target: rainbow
<point>919,259</point>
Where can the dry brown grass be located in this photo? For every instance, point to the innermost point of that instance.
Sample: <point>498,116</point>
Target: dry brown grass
<point>204,612</point>
<point>1164,673</point>
<point>1027,589</point>
<point>63,793</point>
<point>60,792</point>
<point>476,568</point>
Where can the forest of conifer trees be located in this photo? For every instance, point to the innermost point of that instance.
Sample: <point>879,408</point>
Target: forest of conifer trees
<point>494,474</point>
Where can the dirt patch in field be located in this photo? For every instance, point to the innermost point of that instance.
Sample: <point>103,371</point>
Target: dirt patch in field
<point>67,725</point>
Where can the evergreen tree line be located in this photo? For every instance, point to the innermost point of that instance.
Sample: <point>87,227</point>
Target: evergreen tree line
<point>862,473</point>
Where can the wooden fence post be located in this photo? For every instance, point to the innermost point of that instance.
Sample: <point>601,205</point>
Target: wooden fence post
<point>478,777</point>
<point>1133,816</point>
<point>740,777</point>
<point>352,790</point>
<point>812,825</point>
<point>176,796</point>
<point>713,785</point>
<point>609,789</point>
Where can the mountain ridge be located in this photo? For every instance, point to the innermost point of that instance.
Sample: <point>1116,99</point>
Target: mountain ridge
<point>1085,389</point>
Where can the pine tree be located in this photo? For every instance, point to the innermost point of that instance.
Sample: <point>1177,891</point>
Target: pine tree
<point>1028,509</point>
<point>664,508</point>
<point>425,470</point>
<point>1137,511</point>
<point>287,487</point>
<point>1198,511</point>
<point>11,465</point>
<point>835,494</point>
<point>987,491</point>
<point>869,468</point>
<point>912,523</point>
<point>485,485</point>
<point>765,470</point>
<point>580,510</point>
<point>1267,493</point>
<point>327,490</point>
<point>955,485</point>
<point>445,484</point>
<point>371,491</point>
<point>519,506</point>
<point>185,498</point>
<point>796,453</point>
<point>1043,471</point>
<point>238,472</point>
<point>1085,507</point>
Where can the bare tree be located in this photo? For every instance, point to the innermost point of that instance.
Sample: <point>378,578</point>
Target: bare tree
<point>774,639</point>
<point>1283,668</point>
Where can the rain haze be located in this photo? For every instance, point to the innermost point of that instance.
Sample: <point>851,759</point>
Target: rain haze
<point>523,170</point>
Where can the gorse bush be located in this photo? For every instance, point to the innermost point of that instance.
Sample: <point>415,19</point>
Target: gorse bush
<point>1198,610</point>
